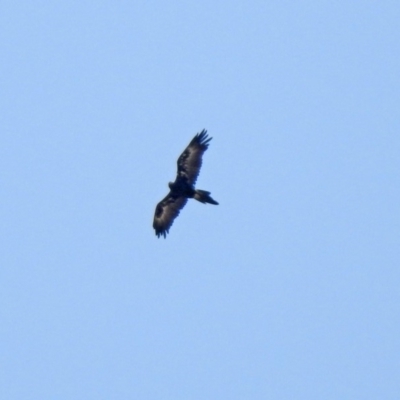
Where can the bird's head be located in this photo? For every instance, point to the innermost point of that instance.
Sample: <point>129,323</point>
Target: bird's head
<point>170,184</point>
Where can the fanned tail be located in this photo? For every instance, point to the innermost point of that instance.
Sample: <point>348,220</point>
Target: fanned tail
<point>204,197</point>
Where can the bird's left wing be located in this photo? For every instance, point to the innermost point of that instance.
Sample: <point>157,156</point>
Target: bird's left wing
<point>189,162</point>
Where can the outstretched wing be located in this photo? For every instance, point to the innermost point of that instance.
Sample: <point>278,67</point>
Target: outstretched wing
<point>189,162</point>
<point>166,211</point>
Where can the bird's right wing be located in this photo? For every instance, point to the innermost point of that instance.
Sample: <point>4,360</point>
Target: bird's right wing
<point>166,211</point>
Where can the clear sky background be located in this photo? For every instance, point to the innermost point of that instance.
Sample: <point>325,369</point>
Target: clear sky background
<point>289,289</point>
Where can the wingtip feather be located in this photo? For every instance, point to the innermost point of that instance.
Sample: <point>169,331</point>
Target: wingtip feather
<point>202,138</point>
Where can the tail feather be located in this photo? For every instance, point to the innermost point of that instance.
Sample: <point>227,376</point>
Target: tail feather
<point>204,197</point>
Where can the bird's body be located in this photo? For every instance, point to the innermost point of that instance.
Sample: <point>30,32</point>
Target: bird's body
<point>182,187</point>
<point>189,164</point>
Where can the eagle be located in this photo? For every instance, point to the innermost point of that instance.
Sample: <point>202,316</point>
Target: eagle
<point>189,164</point>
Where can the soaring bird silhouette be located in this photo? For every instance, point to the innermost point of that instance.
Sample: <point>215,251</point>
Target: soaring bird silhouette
<point>189,164</point>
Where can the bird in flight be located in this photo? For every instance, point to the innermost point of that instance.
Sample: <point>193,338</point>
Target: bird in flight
<point>189,164</point>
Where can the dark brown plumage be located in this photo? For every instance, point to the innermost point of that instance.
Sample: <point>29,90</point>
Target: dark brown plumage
<point>189,164</point>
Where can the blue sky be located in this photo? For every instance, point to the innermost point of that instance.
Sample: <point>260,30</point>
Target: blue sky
<point>289,289</point>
